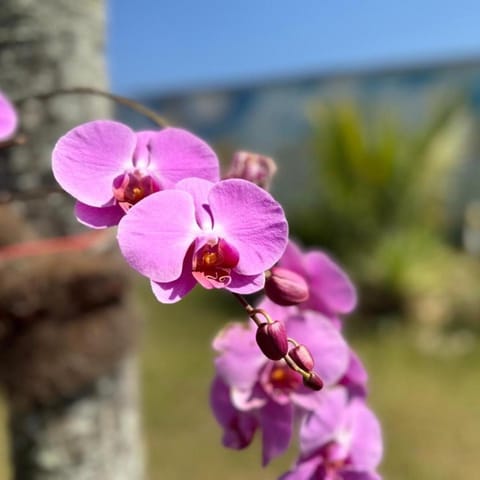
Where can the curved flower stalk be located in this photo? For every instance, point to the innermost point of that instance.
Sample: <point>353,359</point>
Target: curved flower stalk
<point>8,118</point>
<point>108,167</point>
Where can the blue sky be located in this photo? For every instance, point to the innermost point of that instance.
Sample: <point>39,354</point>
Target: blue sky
<point>160,46</point>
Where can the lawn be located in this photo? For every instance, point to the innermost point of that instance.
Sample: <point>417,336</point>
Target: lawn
<point>428,402</point>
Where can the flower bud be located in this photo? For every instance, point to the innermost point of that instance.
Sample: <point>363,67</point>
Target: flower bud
<point>253,167</point>
<point>302,357</point>
<point>285,287</point>
<point>272,340</point>
<point>313,381</point>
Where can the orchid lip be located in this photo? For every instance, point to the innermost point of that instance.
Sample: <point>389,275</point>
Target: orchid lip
<point>133,186</point>
<point>213,262</point>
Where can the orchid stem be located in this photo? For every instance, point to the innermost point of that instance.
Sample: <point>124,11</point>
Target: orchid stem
<point>251,311</point>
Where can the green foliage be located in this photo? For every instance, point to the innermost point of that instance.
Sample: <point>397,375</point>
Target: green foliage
<point>383,190</point>
<point>376,173</point>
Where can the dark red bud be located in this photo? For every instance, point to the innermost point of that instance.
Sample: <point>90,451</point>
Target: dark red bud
<point>302,357</point>
<point>313,381</point>
<point>272,340</point>
<point>285,287</point>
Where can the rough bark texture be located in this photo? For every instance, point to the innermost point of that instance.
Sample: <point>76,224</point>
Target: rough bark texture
<point>67,329</point>
<point>92,437</point>
<point>46,45</point>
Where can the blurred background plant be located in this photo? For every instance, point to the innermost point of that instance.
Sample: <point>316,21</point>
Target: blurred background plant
<point>384,207</point>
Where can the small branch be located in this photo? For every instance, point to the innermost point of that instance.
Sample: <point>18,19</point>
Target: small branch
<point>19,139</point>
<point>132,104</point>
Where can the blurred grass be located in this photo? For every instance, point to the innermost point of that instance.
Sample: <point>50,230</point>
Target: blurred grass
<point>428,403</point>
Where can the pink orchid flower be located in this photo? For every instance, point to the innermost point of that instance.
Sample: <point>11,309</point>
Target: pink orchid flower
<point>251,391</point>
<point>340,440</point>
<point>108,167</point>
<point>222,235</point>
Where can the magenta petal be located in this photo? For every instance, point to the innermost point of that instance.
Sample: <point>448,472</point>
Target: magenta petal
<point>327,346</point>
<point>329,284</point>
<point>277,312</point>
<point>86,160</point>
<point>366,447</point>
<point>8,118</point>
<point>320,427</point>
<point>172,292</point>
<point>98,217</point>
<point>306,399</point>
<point>179,154</point>
<point>155,235</point>
<point>356,377</point>
<point>276,422</point>
<point>246,284</point>
<point>239,427</point>
<point>250,220</point>
<point>239,360</point>
<point>303,470</point>
<point>292,259</point>
<point>356,475</point>
<point>199,190</point>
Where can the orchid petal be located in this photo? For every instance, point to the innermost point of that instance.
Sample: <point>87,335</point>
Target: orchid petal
<point>246,284</point>
<point>292,259</point>
<point>276,422</point>
<point>320,427</point>
<point>86,160</point>
<point>199,190</point>
<point>240,360</point>
<point>366,447</point>
<point>8,118</point>
<point>178,154</point>
<point>326,344</point>
<point>172,292</point>
<point>330,287</point>
<point>239,427</point>
<point>303,469</point>
<point>98,217</point>
<point>250,220</point>
<point>356,475</point>
<point>356,377</point>
<point>155,235</point>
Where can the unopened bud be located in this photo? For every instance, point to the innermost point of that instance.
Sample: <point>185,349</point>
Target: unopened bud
<point>272,340</point>
<point>313,381</point>
<point>285,287</point>
<point>253,167</point>
<point>302,357</point>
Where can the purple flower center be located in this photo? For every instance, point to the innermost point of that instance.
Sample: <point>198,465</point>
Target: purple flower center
<point>133,186</point>
<point>213,262</point>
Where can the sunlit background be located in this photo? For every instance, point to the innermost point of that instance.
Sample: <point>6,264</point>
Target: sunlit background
<point>372,111</point>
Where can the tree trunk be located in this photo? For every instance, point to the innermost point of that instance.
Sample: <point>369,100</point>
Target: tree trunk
<point>94,436</point>
<point>47,45</point>
<point>67,330</point>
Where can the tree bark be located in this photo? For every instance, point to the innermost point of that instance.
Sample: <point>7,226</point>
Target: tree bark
<point>90,437</point>
<point>47,45</point>
<point>67,355</point>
